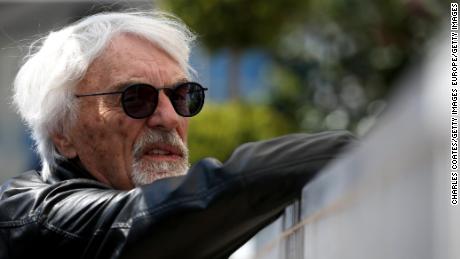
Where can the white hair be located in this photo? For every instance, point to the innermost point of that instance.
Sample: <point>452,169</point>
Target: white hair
<point>44,85</point>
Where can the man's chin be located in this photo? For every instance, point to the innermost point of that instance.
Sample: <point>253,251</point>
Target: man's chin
<point>146,172</point>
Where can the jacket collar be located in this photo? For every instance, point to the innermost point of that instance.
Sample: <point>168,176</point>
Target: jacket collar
<point>65,170</point>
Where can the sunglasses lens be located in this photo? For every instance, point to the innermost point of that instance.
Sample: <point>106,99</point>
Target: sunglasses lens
<point>187,99</point>
<point>139,101</point>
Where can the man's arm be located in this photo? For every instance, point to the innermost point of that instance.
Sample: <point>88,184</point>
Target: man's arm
<point>206,214</point>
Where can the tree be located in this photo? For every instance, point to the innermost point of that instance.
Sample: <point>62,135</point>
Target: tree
<point>335,60</point>
<point>336,69</point>
<point>237,25</point>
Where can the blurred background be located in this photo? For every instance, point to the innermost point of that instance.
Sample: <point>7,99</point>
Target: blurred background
<point>272,66</point>
<point>280,66</point>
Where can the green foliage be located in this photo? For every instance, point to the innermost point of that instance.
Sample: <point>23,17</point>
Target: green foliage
<point>220,128</point>
<point>237,24</point>
<point>335,60</point>
<point>346,58</point>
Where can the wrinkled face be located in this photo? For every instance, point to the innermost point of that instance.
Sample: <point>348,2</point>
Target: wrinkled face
<point>116,149</point>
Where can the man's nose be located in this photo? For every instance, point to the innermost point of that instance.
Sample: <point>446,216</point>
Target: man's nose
<point>164,116</point>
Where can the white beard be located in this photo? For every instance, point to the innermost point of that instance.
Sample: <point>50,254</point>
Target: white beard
<point>145,171</point>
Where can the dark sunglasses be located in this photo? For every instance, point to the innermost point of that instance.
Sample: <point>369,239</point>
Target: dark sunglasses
<point>140,100</point>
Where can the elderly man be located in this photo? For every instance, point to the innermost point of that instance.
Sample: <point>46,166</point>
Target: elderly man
<point>108,101</point>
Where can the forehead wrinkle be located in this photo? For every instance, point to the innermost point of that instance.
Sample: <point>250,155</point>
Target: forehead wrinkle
<point>160,76</point>
<point>157,68</point>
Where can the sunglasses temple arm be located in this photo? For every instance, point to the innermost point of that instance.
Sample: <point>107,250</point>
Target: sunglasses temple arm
<point>96,94</point>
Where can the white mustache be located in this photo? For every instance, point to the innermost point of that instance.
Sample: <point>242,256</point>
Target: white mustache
<point>154,136</point>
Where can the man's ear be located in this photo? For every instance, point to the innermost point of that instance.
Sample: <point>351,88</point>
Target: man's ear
<point>64,145</point>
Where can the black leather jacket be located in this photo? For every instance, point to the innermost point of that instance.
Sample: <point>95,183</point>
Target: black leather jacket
<point>208,213</point>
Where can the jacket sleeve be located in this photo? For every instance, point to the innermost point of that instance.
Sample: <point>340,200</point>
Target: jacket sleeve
<point>206,214</point>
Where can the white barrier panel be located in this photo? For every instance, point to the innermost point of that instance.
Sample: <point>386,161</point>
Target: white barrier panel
<point>390,197</point>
